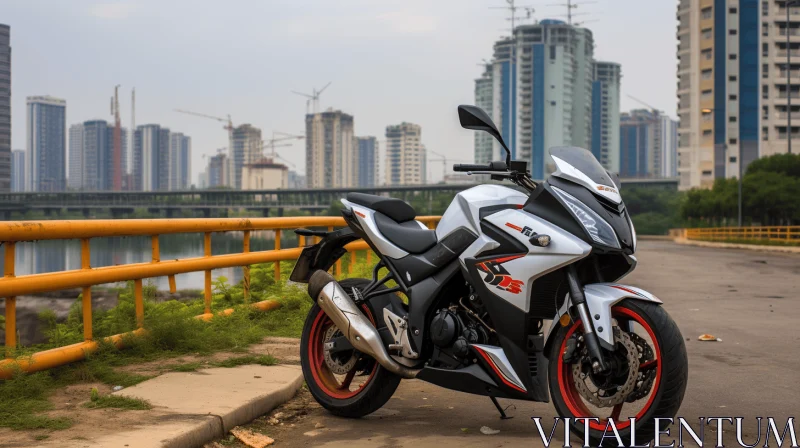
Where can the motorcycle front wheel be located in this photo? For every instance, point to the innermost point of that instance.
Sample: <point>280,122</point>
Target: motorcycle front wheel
<point>660,378</point>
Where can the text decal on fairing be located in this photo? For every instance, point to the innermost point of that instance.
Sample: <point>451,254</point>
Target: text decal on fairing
<point>498,276</point>
<point>527,231</point>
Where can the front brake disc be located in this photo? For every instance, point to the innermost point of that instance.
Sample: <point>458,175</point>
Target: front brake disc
<point>599,396</point>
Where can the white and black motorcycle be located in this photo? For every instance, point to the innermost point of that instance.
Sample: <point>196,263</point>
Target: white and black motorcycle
<point>468,302</point>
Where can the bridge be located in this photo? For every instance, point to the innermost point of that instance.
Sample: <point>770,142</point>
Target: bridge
<point>206,201</point>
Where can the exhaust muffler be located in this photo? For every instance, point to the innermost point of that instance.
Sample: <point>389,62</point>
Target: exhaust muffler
<point>344,312</point>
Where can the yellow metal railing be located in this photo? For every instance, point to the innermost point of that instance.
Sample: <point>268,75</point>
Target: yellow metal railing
<point>12,286</point>
<point>780,234</point>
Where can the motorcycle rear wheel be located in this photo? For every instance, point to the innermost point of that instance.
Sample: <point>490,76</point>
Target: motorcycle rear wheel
<point>337,392</point>
<point>666,393</point>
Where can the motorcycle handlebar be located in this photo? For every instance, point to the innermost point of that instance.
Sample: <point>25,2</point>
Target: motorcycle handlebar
<point>465,167</point>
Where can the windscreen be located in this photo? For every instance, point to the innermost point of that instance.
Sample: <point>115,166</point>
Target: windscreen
<point>584,162</point>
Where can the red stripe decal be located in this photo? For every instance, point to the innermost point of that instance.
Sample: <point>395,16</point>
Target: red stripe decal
<point>504,259</point>
<point>497,371</point>
<point>622,288</point>
<point>517,228</point>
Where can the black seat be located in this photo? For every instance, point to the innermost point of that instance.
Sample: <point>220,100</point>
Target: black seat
<point>396,209</point>
<point>395,220</point>
<point>409,235</point>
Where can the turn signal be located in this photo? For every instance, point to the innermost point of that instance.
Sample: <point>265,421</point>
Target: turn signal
<point>540,240</point>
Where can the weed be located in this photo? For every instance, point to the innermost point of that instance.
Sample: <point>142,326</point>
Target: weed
<point>264,360</point>
<point>186,367</point>
<point>97,401</point>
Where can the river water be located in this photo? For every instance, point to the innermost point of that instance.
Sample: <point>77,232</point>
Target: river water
<point>59,255</point>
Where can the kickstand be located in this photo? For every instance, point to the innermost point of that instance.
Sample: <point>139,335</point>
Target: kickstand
<point>503,415</point>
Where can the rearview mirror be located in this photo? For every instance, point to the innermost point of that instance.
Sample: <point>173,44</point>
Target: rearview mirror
<point>473,117</point>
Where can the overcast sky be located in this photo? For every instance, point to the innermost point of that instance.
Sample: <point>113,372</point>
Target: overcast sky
<point>389,61</point>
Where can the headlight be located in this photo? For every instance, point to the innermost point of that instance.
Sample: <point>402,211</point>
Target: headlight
<point>599,230</point>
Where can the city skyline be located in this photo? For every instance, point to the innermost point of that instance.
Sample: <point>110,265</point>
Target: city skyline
<point>432,70</point>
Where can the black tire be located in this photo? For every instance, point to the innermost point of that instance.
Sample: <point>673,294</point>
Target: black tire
<point>672,373</point>
<point>380,386</point>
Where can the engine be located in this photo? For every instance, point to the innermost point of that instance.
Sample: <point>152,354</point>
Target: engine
<point>452,331</point>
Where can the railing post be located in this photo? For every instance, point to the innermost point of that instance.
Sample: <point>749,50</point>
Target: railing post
<point>156,249</point>
<point>11,302</point>
<point>246,269</point>
<point>207,288</point>
<point>87,291</point>
<point>138,300</point>
<point>277,263</point>
<point>369,256</point>
<point>301,240</point>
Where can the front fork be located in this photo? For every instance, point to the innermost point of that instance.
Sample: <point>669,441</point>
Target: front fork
<point>599,363</point>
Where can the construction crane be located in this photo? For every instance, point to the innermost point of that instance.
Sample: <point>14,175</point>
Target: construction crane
<point>271,143</point>
<point>116,167</point>
<point>228,124</point>
<point>655,110</point>
<point>313,98</point>
<point>444,161</point>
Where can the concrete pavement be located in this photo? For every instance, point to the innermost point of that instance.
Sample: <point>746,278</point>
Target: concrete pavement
<point>201,406</point>
<point>748,299</point>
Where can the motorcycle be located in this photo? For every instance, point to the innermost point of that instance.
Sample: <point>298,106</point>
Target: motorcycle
<point>465,306</point>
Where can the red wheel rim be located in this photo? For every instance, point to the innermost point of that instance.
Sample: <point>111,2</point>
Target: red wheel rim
<point>572,397</point>
<point>322,374</point>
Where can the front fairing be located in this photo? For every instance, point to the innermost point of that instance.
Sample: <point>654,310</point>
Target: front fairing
<point>615,214</point>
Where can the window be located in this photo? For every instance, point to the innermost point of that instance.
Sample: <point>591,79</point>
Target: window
<point>732,78</point>
<point>732,141</point>
<point>732,159</point>
<point>732,119</point>
<point>732,10</point>
<point>764,92</point>
<point>765,71</point>
<point>765,8</point>
<point>765,133</point>
<point>765,29</point>
<point>732,97</point>
<point>707,33</point>
<point>765,49</point>
<point>705,13</point>
<point>707,132</point>
<point>732,32</point>
<point>706,172</point>
<point>552,52</point>
<point>732,57</point>
<point>707,54</point>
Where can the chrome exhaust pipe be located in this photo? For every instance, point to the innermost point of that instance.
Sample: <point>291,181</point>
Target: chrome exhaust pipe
<point>344,312</point>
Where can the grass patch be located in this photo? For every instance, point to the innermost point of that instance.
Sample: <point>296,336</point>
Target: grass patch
<point>186,367</point>
<point>117,402</point>
<point>263,360</point>
<point>24,398</point>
